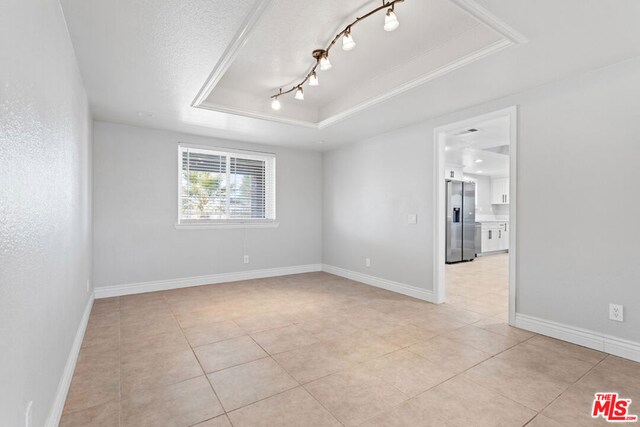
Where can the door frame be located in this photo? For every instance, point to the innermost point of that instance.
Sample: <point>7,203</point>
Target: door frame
<point>440,203</point>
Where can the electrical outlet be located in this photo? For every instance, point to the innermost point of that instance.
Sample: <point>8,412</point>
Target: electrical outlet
<point>88,285</point>
<point>412,218</point>
<point>27,414</point>
<point>246,259</point>
<point>616,312</point>
<point>367,262</point>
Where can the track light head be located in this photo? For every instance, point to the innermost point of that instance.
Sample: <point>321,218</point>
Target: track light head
<point>313,79</point>
<point>275,104</point>
<point>325,64</point>
<point>299,94</point>
<point>347,41</point>
<point>322,57</point>
<point>391,20</point>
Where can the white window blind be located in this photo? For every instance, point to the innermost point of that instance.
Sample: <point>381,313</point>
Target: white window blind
<point>218,186</point>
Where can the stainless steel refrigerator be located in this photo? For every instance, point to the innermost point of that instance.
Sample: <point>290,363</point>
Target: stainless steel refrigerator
<point>461,218</point>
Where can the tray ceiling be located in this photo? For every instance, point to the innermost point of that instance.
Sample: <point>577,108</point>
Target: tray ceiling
<point>434,37</point>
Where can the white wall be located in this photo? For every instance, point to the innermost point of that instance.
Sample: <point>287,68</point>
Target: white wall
<point>45,200</point>
<point>576,142</point>
<point>135,205</point>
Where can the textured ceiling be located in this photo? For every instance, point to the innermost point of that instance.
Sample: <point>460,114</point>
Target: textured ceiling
<point>155,56</point>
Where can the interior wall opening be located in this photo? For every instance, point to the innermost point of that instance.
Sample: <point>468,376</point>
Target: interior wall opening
<point>475,268</point>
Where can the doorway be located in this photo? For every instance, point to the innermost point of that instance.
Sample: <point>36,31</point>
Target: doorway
<point>475,212</point>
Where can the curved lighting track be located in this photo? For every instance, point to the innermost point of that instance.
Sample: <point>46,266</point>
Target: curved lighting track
<point>322,55</point>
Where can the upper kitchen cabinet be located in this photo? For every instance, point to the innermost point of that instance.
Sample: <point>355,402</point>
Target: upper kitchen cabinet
<point>453,172</point>
<point>500,191</point>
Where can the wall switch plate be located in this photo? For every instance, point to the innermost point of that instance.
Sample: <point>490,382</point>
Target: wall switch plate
<point>88,285</point>
<point>413,218</point>
<point>27,414</point>
<point>616,312</point>
<point>367,262</point>
<point>246,259</point>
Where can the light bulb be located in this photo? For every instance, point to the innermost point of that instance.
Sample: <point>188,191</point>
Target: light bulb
<point>313,79</point>
<point>347,41</point>
<point>275,104</point>
<point>325,64</point>
<point>299,94</point>
<point>390,21</point>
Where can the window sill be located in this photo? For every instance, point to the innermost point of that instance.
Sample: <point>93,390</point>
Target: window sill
<point>229,225</point>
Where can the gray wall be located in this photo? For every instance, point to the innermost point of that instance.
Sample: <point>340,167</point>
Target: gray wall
<point>136,199</point>
<point>45,200</point>
<point>370,187</point>
<point>577,151</point>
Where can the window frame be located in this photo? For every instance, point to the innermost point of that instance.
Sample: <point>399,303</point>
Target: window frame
<point>270,190</point>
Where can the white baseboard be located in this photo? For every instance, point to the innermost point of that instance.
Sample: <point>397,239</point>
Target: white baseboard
<point>389,285</point>
<point>584,337</point>
<point>69,368</point>
<point>186,282</point>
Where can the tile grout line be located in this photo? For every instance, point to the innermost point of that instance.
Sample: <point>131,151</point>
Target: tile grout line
<point>450,378</point>
<point>296,380</point>
<point>572,384</point>
<point>173,315</point>
<point>299,383</point>
<point>479,363</point>
<point>521,404</point>
<point>268,355</point>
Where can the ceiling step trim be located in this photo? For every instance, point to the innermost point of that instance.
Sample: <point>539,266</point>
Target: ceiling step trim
<point>206,105</point>
<point>231,52</point>
<point>411,84</point>
<point>492,21</point>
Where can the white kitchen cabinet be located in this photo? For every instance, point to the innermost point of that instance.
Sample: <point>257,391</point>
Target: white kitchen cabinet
<point>503,236</point>
<point>489,239</point>
<point>453,172</point>
<point>494,236</point>
<point>500,191</point>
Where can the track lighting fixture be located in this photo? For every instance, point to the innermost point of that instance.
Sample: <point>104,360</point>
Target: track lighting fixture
<point>322,55</point>
<point>313,79</point>
<point>347,41</point>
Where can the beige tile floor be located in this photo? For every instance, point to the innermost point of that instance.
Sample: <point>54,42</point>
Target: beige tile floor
<point>319,350</point>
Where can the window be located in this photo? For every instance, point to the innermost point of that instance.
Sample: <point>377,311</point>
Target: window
<point>221,187</point>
